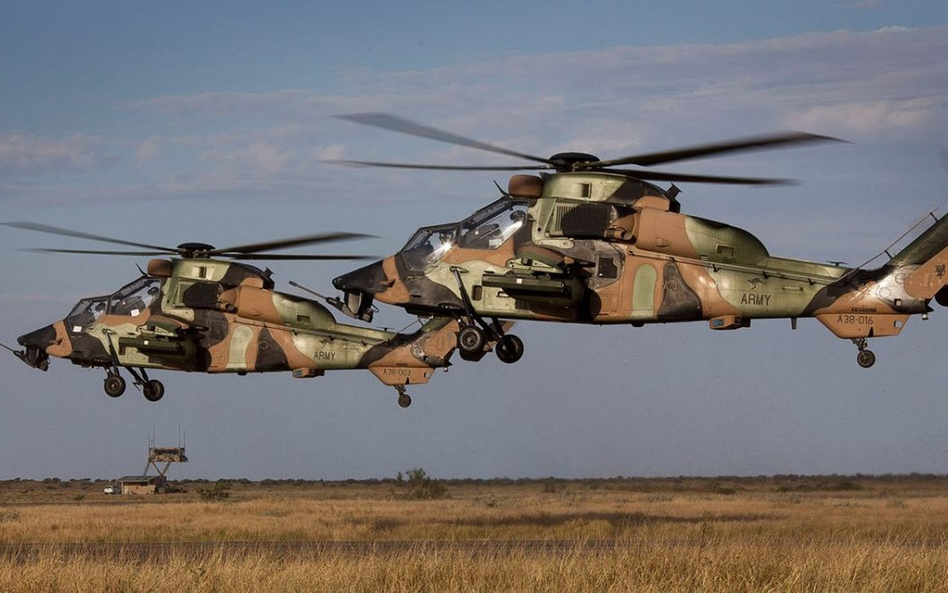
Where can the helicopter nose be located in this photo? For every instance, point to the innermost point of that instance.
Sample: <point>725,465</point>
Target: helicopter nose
<point>369,280</point>
<point>39,339</point>
<point>36,343</point>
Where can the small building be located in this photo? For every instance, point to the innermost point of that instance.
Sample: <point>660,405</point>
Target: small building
<point>142,484</point>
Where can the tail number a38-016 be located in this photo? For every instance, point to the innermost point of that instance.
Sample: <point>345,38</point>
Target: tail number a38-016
<point>847,319</point>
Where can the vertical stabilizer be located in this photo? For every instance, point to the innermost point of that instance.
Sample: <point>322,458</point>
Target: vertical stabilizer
<point>930,253</point>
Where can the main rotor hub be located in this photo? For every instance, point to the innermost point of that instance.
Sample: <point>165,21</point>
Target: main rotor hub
<point>195,249</point>
<point>567,161</point>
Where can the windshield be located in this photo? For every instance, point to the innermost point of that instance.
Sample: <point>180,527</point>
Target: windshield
<point>491,226</point>
<point>85,313</point>
<point>428,245</point>
<point>133,298</point>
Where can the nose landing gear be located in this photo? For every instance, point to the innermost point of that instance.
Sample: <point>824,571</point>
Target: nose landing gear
<point>114,385</point>
<point>509,348</point>
<point>153,390</point>
<point>475,332</point>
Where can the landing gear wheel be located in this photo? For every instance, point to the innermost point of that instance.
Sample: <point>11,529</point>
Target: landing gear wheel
<point>471,339</point>
<point>866,358</point>
<point>153,390</point>
<point>114,385</point>
<point>509,349</point>
<point>404,400</point>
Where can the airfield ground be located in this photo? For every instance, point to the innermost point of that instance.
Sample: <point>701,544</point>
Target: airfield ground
<point>785,533</point>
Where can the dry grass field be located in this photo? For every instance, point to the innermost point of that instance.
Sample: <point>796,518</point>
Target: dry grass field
<point>725,534</point>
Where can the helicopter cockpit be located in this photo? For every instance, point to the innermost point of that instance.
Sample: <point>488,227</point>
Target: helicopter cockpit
<point>85,313</point>
<point>132,299</point>
<point>488,228</point>
<point>491,226</point>
<point>428,245</point>
<point>135,297</point>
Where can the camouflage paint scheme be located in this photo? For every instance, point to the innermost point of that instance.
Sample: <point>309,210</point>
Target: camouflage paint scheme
<point>605,248</point>
<point>211,316</point>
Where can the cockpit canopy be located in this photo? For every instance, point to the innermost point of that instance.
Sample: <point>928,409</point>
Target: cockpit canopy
<point>132,300</point>
<point>488,228</point>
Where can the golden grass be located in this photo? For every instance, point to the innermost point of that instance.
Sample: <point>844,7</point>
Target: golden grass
<point>715,566</point>
<point>883,535</point>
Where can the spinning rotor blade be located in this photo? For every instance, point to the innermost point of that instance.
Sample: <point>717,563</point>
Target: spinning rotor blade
<point>439,167</point>
<point>43,228</point>
<point>685,177</point>
<point>292,256</point>
<point>284,243</point>
<point>785,139</point>
<point>398,124</point>
<point>201,250</point>
<point>98,252</point>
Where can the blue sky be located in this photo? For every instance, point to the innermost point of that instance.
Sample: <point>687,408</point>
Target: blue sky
<point>170,122</point>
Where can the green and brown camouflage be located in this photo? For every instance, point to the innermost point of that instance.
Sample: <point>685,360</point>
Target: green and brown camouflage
<point>601,248</point>
<point>205,315</point>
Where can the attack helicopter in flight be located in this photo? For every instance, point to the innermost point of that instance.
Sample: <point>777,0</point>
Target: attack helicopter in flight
<point>590,240</point>
<point>201,310</point>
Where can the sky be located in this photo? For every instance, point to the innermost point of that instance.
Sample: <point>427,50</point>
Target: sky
<point>170,122</point>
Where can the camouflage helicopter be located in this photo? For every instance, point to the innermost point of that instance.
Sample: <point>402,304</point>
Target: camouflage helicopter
<point>198,312</point>
<point>590,241</point>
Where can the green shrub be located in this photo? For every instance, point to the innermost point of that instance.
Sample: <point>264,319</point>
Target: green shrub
<point>219,491</point>
<point>419,486</point>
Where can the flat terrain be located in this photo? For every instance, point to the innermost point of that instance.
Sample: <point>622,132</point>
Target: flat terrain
<point>776,533</point>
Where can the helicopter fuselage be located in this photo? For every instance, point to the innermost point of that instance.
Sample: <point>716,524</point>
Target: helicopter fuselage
<point>211,316</point>
<point>605,249</point>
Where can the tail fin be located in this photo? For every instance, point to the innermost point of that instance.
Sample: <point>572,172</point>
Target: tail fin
<point>925,246</point>
<point>929,251</point>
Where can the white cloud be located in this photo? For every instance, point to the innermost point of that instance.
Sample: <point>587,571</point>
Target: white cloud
<point>149,150</point>
<point>257,159</point>
<point>654,92</point>
<point>876,86</point>
<point>27,153</point>
<point>336,151</point>
<point>871,117</point>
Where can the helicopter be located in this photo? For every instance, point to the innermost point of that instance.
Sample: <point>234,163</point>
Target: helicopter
<point>203,311</point>
<point>592,241</point>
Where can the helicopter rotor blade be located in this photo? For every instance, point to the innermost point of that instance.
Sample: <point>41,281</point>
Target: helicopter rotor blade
<point>292,256</point>
<point>285,243</point>
<point>98,252</point>
<point>398,124</point>
<point>44,228</point>
<point>686,177</point>
<point>439,167</point>
<point>780,140</point>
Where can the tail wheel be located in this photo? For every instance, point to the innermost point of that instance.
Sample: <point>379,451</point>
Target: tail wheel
<point>471,339</point>
<point>153,390</point>
<point>114,385</point>
<point>509,349</point>
<point>404,400</point>
<point>866,358</point>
